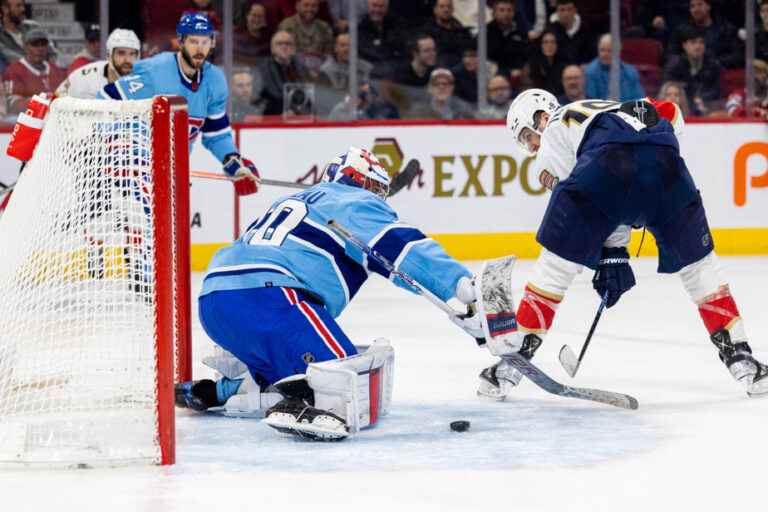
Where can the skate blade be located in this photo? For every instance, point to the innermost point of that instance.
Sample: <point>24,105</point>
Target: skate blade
<point>306,430</point>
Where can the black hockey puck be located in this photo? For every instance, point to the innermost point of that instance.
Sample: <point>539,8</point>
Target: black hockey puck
<point>460,426</point>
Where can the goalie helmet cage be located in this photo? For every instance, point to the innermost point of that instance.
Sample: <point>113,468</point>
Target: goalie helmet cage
<point>94,287</point>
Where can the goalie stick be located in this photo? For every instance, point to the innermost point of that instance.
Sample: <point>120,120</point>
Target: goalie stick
<point>525,367</point>
<point>403,179</point>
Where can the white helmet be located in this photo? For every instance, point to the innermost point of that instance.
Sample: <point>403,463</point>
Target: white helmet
<point>523,110</point>
<point>122,38</point>
<point>358,168</point>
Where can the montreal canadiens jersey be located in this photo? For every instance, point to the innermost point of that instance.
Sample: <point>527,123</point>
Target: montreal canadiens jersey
<point>206,97</point>
<point>86,81</point>
<point>292,246</point>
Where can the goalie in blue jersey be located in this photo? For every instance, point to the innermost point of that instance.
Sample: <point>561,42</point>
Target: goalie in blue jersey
<point>187,73</point>
<point>271,298</point>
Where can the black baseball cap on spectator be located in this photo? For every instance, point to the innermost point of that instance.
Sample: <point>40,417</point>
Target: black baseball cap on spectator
<point>92,33</point>
<point>690,32</point>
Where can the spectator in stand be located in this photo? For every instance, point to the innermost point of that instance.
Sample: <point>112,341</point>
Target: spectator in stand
<point>339,10</point>
<point>573,36</point>
<point>465,11</point>
<point>380,37</point>
<point>334,72</point>
<point>441,104</point>
<point>507,40</point>
<point>736,105</point>
<point>277,11</point>
<point>251,39</point>
<point>450,36</point>
<point>367,105</point>
<point>423,59</point>
<point>533,14</point>
<point>242,97</point>
<point>761,34</point>
<point>282,68</point>
<point>414,13</point>
<point>465,76</point>
<point>203,7</point>
<point>499,99</point>
<point>598,75</point>
<point>11,37</point>
<point>660,17</point>
<point>312,35</point>
<point>91,51</point>
<point>697,69</point>
<point>574,86</point>
<point>33,73</point>
<point>675,92</point>
<point>545,67</point>
<point>720,37</point>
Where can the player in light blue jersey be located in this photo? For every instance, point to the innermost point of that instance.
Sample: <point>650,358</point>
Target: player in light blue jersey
<point>271,298</point>
<point>187,73</point>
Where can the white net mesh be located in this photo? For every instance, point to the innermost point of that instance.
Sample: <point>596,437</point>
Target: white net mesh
<point>77,323</point>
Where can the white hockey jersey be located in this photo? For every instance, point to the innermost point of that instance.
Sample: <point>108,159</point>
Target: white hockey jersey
<point>566,129</point>
<point>565,132</point>
<point>86,81</point>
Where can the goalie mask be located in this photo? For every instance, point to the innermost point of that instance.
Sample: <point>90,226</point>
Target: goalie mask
<point>522,118</point>
<point>358,168</point>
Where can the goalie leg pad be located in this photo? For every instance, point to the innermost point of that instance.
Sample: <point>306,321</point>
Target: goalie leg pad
<point>357,388</point>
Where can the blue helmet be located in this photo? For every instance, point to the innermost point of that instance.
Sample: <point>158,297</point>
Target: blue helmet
<point>194,25</point>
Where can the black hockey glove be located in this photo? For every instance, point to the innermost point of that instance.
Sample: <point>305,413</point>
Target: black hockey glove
<point>614,275</point>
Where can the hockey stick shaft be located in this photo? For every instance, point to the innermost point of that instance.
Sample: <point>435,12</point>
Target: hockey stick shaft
<point>264,181</point>
<point>401,181</point>
<point>525,367</point>
<point>592,328</point>
<point>568,359</point>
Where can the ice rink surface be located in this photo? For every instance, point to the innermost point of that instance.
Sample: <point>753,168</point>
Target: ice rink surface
<point>697,443</point>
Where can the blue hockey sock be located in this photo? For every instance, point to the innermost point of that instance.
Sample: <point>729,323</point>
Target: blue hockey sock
<point>225,388</point>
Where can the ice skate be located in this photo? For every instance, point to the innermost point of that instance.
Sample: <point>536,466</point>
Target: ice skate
<point>497,381</point>
<point>738,358</point>
<point>198,395</point>
<point>296,414</point>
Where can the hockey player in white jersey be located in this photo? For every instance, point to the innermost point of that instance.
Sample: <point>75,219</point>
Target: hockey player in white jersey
<point>613,171</point>
<point>271,299</point>
<point>123,50</point>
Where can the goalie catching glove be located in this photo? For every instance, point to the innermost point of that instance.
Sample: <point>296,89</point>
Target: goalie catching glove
<point>247,177</point>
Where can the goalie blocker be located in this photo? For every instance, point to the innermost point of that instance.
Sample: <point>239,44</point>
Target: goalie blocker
<point>336,398</point>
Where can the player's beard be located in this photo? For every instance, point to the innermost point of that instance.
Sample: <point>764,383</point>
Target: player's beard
<point>188,59</point>
<point>124,69</point>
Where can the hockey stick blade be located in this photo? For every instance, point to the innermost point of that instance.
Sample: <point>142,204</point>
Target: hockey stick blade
<point>550,385</point>
<point>568,360</point>
<point>405,177</point>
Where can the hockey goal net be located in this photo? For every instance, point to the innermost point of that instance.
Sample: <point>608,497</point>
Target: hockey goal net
<point>94,287</point>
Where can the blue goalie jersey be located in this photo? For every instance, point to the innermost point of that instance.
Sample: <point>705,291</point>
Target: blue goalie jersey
<point>206,97</point>
<point>292,246</point>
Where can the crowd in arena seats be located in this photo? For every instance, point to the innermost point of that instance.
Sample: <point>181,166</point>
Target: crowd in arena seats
<point>419,58</point>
